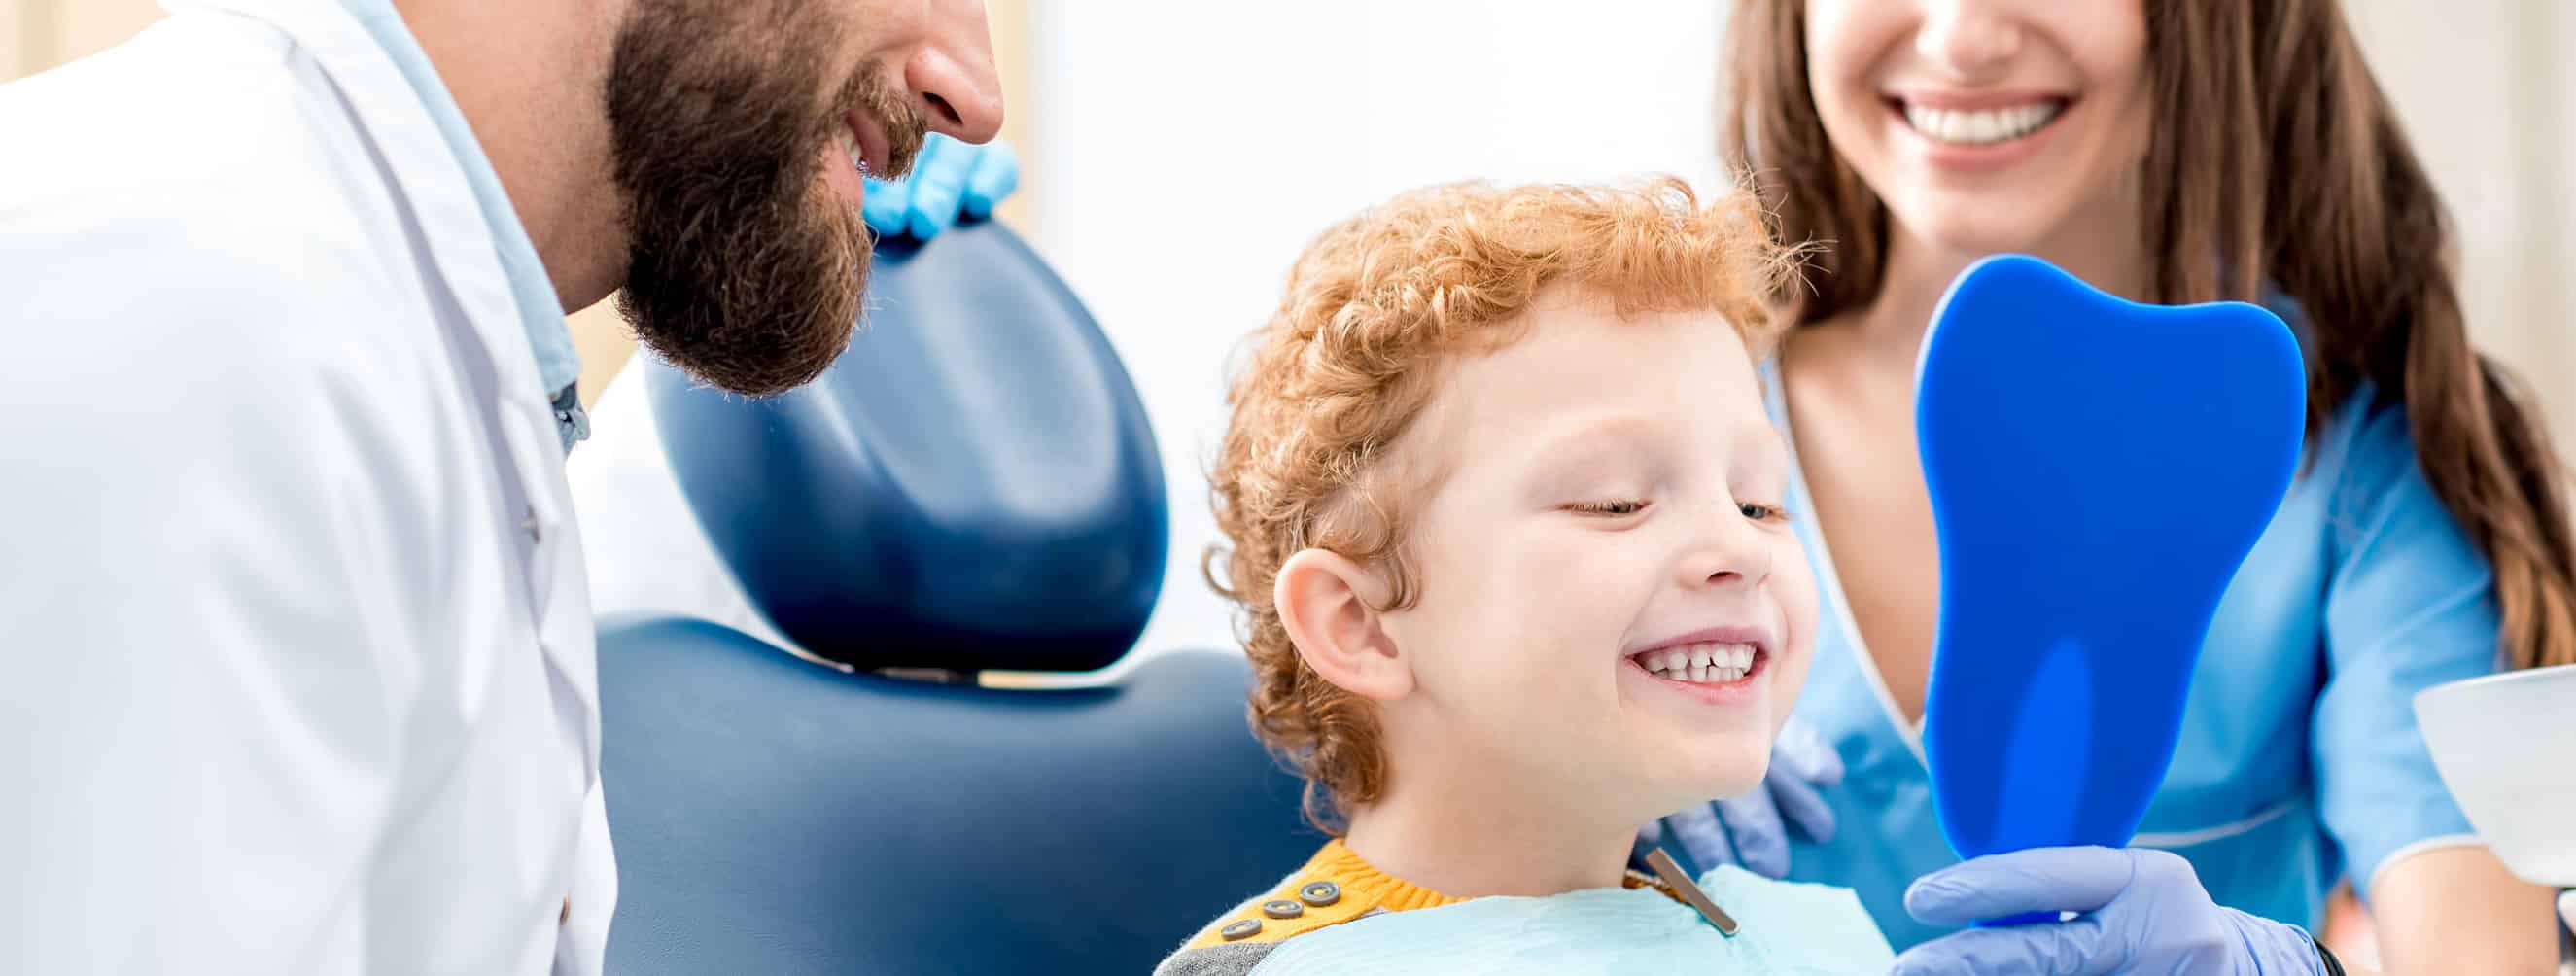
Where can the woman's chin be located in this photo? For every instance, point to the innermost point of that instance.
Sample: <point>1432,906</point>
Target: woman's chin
<point>1977,224</point>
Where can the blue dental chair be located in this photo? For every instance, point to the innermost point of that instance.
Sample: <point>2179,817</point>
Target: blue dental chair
<point>971,487</point>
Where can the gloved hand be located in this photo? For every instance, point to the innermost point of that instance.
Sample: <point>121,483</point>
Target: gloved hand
<point>2142,911</point>
<point>948,177</point>
<point>1752,831</point>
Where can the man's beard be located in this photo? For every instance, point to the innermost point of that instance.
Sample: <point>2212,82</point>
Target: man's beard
<point>746,269</point>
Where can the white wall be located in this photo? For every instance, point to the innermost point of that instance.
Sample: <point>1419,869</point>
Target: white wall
<point>1186,150</point>
<point>2490,106</point>
<point>1183,151</point>
<point>39,34</point>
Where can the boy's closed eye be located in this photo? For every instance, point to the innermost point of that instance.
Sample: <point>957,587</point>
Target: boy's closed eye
<point>1612,506</point>
<point>1763,512</point>
<point>1757,511</point>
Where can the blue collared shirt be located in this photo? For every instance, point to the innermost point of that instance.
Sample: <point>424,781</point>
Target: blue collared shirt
<point>542,313</point>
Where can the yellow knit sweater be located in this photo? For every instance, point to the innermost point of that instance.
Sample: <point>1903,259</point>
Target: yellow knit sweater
<point>1335,886</point>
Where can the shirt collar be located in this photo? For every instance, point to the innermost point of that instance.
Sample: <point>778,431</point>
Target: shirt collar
<point>1360,880</point>
<point>549,335</point>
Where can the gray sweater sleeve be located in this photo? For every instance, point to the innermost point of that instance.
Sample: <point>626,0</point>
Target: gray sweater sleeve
<point>1231,959</point>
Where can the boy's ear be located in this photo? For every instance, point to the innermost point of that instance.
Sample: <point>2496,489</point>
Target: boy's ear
<point>1325,602</point>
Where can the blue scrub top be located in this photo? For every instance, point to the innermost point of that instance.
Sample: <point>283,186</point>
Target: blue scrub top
<point>2299,762</point>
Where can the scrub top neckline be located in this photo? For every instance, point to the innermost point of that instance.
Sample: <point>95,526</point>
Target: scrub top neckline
<point>1775,396</point>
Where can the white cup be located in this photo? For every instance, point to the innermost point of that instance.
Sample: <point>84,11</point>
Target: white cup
<point>2506,746</point>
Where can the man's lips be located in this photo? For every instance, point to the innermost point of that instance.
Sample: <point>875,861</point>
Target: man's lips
<point>874,147</point>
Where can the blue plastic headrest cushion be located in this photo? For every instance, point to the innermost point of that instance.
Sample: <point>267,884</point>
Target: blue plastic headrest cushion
<point>2098,470</point>
<point>972,485</point>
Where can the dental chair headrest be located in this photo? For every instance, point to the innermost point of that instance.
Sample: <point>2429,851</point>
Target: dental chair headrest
<point>972,486</point>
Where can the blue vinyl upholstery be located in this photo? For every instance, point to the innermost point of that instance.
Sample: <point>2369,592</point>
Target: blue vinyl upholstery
<point>971,487</point>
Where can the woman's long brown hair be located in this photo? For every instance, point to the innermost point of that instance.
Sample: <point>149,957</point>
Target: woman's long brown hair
<point>2274,152</point>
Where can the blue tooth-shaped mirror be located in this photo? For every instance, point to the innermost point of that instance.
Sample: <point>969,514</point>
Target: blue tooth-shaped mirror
<point>2098,470</point>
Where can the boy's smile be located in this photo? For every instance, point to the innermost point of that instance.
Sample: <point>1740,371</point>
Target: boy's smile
<point>1507,525</point>
<point>1715,665</point>
<point>1614,614</point>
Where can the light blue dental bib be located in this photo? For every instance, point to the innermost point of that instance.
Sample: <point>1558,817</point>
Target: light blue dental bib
<point>1785,929</point>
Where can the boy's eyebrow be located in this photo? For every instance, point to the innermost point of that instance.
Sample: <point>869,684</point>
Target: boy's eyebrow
<point>1590,440</point>
<point>1773,442</point>
<point>1593,441</point>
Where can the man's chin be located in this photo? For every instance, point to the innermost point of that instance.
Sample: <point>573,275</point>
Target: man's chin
<point>785,352</point>
<point>744,311</point>
<point>759,375</point>
<point>746,267</point>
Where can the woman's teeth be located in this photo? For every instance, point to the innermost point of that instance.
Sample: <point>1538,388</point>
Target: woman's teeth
<point>1700,663</point>
<point>1984,126</point>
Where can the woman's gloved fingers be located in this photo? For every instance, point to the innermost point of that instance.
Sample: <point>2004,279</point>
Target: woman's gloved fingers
<point>1803,806</point>
<point>938,180</point>
<point>995,176</point>
<point>2055,949</point>
<point>1752,823</point>
<point>2043,879</point>
<point>1652,833</point>
<point>1697,829</point>
<point>1806,755</point>
<point>2142,910</point>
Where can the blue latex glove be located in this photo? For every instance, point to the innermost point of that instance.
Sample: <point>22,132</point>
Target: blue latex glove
<point>2139,911</point>
<point>1752,831</point>
<point>948,178</point>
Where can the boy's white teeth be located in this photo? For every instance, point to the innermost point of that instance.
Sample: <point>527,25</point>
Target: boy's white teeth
<point>1981,126</point>
<point>1700,663</point>
<point>858,156</point>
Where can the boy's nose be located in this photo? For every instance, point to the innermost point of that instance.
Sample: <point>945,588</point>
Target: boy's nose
<point>1729,552</point>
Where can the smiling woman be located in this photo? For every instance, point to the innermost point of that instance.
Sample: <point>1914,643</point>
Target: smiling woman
<point>2169,153</point>
<point>1932,144</point>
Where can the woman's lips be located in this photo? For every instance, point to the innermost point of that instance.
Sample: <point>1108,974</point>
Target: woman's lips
<point>1978,122</point>
<point>1977,135</point>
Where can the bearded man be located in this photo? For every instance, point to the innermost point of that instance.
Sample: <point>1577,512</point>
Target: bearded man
<point>301,673</point>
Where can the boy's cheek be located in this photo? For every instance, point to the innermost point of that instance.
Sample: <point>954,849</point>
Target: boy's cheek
<point>1793,587</point>
<point>1785,688</point>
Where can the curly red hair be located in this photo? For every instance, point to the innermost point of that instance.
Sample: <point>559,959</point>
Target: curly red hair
<point>1343,367</point>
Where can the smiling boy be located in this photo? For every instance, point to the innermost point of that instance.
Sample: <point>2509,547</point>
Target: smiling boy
<point>1506,531</point>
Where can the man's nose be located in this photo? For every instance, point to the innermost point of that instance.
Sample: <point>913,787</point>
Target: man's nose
<point>951,75</point>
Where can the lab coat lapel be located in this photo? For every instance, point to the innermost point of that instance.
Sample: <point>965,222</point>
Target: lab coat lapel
<point>433,185</point>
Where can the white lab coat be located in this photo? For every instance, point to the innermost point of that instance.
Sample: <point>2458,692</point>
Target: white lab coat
<point>299,666</point>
